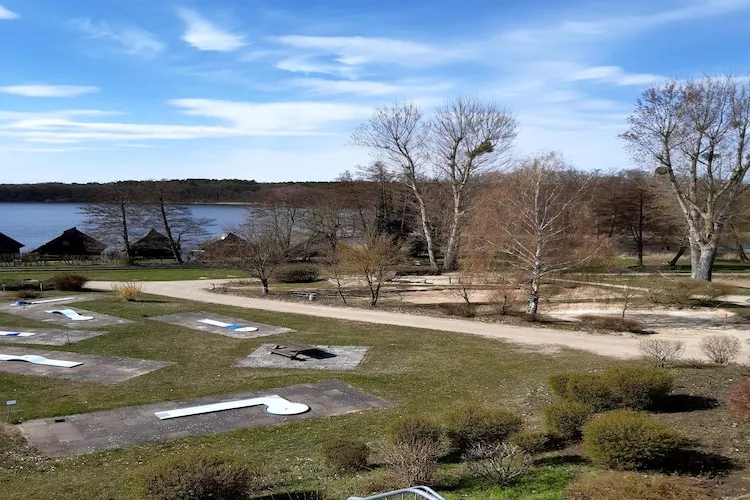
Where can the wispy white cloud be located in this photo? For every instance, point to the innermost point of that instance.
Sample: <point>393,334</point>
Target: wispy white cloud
<point>205,35</point>
<point>7,14</point>
<point>49,90</point>
<point>366,88</point>
<point>132,40</point>
<point>614,74</point>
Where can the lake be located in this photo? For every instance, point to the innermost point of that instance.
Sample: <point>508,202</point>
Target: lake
<point>33,224</point>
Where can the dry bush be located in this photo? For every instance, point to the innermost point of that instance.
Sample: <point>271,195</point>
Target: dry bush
<point>660,353</point>
<point>738,400</point>
<point>721,349</point>
<point>69,282</point>
<point>611,323</point>
<point>346,455</point>
<point>503,301</point>
<point>463,309</point>
<point>27,294</point>
<point>411,462</point>
<point>631,485</point>
<point>499,463</point>
<point>470,425</point>
<point>127,291</point>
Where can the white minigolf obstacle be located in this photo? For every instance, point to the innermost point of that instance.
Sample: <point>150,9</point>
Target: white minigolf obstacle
<point>228,326</point>
<point>16,334</point>
<point>39,360</point>
<point>20,303</point>
<point>275,405</point>
<point>71,314</point>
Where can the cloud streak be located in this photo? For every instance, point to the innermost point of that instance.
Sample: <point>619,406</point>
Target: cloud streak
<point>202,34</point>
<point>7,14</point>
<point>48,90</point>
<point>131,40</point>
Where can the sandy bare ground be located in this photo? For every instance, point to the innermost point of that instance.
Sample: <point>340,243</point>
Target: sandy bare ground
<point>621,346</point>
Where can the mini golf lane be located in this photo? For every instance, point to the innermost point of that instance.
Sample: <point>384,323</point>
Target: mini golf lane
<point>89,368</point>
<point>137,425</point>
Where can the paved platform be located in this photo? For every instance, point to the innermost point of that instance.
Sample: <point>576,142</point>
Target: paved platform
<point>39,313</point>
<point>69,299</point>
<point>191,320</point>
<point>326,357</point>
<point>98,369</point>
<point>137,425</point>
<point>47,336</point>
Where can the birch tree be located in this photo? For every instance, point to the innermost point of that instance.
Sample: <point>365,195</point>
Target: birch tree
<point>696,133</point>
<point>468,137</point>
<point>534,220</point>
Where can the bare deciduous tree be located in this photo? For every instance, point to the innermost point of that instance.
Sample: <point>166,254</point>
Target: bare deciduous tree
<point>116,218</point>
<point>468,138</point>
<point>398,135</point>
<point>535,220</point>
<point>372,260</point>
<point>696,133</point>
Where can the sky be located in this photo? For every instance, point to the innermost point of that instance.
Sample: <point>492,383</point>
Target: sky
<point>272,90</point>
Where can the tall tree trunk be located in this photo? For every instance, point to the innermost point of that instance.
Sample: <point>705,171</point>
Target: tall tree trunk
<point>167,229</point>
<point>680,252</point>
<point>741,252</point>
<point>125,236</point>
<point>427,232</point>
<point>702,259</point>
<point>533,306</point>
<point>264,285</point>
<point>450,262</point>
<point>639,239</point>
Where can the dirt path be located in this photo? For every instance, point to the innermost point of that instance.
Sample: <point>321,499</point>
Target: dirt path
<point>622,346</point>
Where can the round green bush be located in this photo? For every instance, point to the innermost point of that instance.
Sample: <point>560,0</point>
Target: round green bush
<point>297,273</point>
<point>468,425</point>
<point>558,383</point>
<point>629,440</point>
<point>346,455</point>
<point>565,418</point>
<point>530,442</point>
<point>591,389</point>
<point>638,387</point>
<point>416,430</point>
<point>191,478</point>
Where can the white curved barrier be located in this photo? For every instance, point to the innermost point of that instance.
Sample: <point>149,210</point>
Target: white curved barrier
<point>71,314</point>
<point>19,303</point>
<point>228,326</point>
<point>39,360</point>
<point>16,334</point>
<point>276,405</point>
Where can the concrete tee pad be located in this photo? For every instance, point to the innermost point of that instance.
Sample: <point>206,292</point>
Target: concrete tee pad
<point>326,357</point>
<point>98,369</point>
<point>137,425</point>
<point>191,320</point>
<point>47,337</point>
<point>39,313</point>
<point>49,302</point>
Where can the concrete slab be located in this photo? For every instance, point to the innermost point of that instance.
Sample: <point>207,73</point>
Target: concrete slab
<point>327,357</point>
<point>98,369</point>
<point>47,336</point>
<point>39,313</point>
<point>137,425</point>
<point>191,320</point>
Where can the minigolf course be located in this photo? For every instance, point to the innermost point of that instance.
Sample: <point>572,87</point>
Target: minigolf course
<point>221,325</point>
<point>39,360</point>
<point>275,405</point>
<point>229,326</point>
<point>71,314</point>
<point>45,336</point>
<point>67,316</point>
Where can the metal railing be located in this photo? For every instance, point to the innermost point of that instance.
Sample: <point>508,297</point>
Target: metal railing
<point>414,493</point>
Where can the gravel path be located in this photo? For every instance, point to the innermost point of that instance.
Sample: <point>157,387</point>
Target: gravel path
<point>621,346</point>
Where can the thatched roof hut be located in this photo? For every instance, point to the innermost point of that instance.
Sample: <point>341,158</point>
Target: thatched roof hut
<point>72,242</point>
<point>222,244</point>
<point>152,246</point>
<point>9,246</point>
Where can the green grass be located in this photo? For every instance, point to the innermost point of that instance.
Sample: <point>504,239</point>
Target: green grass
<point>134,274</point>
<point>420,372</point>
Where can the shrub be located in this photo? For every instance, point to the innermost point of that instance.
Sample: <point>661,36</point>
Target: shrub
<point>738,400</point>
<point>69,282</point>
<point>721,349</point>
<point>503,301</point>
<point>558,383</point>
<point>346,455</point>
<point>198,479</point>
<point>660,353</point>
<point>637,387</point>
<point>611,323</point>
<point>463,309</point>
<point>629,440</point>
<point>498,463</point>
<point>565,418</point>
<point>590,389</point>
<point>469,425</point>
<point>531,442</point>
<point>631,485</point>
<point>27,294</point>
<point>416,429</point>
<point>127,291</point>
<point>301,273</point>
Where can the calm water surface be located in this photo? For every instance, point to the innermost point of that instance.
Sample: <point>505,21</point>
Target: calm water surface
<point>33,224</point>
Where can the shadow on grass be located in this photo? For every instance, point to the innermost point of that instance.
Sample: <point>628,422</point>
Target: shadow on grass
<point>293,495</point>
<point>560,460</point>
<point>685,403</point>
<point>695,462</point>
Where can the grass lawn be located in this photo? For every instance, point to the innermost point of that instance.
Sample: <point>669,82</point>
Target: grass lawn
<point>133,274</point>
<point>420,372</point>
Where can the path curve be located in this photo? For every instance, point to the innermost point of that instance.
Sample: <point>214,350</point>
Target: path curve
<point>620,346</point>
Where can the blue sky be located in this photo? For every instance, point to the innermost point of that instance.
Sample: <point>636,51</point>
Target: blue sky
<point>271,90</point>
